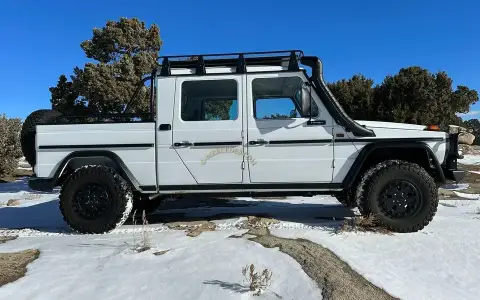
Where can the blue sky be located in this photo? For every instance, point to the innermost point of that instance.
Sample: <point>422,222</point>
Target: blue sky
<point>40,41</point>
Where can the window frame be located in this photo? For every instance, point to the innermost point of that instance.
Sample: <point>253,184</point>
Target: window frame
<point>297,107</point>
<point>183,105</point>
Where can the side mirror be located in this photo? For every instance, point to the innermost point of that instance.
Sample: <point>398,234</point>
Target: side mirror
<point>306,100</point>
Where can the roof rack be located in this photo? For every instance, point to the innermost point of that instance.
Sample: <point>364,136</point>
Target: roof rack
<point>239,61</point>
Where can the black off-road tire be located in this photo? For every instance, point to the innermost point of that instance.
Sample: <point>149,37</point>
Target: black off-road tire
<point>116,205</point>
<point>28,132</point>
<point>419,186</point>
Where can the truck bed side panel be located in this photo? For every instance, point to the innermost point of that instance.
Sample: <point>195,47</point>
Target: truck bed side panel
<point>134,143</point>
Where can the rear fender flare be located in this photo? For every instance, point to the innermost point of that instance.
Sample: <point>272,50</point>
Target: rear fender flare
<point>79,159</point>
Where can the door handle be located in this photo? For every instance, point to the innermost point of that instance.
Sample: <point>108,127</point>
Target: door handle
<point>258,142</point>
<point>164,127</point>
<point>182,144</point>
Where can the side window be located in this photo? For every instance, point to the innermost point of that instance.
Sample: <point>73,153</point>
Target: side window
<point>275,108</point>
<point>209,100</point>
<point>278,98</point>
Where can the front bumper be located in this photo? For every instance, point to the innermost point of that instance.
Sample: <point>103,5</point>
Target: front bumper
<point>450,164</point>
<point>41,184</point>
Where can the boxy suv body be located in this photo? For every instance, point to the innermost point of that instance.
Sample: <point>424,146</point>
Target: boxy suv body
<point>241,124</point>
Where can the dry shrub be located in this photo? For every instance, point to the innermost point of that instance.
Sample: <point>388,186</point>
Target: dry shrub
<point>145,242</point>
<point>10,150</point>
<point>257,282</point>
<point>193,228</point>
<point>363,224</point>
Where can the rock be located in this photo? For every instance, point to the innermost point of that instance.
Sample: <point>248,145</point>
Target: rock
<point>13,202</point>
<point>456,129</point>
<point>466,138</point>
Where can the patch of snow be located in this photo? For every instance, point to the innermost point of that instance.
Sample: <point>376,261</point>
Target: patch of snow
<point>476,172</point>
<point>469,159</point>
<point>23,164</point>
<point>439,262</point>
<point>456,187</point>
<point>468,196</point>
<point>104,267</point>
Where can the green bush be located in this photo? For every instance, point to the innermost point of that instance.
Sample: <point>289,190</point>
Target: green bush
<point>10,150</point>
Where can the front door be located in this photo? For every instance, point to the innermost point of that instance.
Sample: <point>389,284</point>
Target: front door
<point>207,127</point>
<point>282,147</point>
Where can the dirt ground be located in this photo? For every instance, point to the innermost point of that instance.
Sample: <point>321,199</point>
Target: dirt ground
<point>336,279</point>
<point>19,173</point>
<point>472,179</point>
<point>14,265</point>
<point>4,239</point>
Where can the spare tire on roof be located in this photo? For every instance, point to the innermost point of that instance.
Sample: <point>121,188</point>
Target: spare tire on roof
<point>29,131</point>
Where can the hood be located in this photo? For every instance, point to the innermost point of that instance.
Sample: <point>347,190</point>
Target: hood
<point>391,125</point>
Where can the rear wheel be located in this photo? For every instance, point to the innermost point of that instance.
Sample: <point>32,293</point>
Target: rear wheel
<point>95,199</point>
<point>402,195</point>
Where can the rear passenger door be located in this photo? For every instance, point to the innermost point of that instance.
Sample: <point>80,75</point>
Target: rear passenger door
<point>207,127</point>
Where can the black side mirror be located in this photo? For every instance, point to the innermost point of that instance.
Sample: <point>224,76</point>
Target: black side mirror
<point>306,100</point>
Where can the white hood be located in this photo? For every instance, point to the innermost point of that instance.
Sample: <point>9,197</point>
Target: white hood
<point>391,125</point>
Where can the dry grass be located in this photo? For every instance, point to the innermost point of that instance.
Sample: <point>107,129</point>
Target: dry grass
<point>193,228</point>
<point>260,222</point>
<point>145,242</point>
<point>14,265</point>
<point>4,239</point>
<point>362,224</point>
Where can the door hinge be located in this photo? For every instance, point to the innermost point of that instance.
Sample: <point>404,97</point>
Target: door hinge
<point>243,165</point>
<point>242,134</point>
<point>333,163</point>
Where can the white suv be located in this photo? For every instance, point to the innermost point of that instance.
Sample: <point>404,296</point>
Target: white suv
<point>238,124</point>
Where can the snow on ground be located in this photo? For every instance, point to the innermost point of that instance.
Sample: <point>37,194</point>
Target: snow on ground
<point>468,196</point>
<point>456,186</point>
<point>102,267</point>
<point>469,159</point>
<point>440,262</point>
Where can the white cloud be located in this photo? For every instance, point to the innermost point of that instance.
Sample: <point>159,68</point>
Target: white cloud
<point>469,115</point>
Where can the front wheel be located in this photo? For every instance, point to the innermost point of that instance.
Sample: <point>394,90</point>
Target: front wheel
<point>95,199</point>
<point>402,195</point>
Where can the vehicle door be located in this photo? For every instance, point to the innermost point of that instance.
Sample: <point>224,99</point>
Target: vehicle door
<point>282,146</point>
<point>207,127</point>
